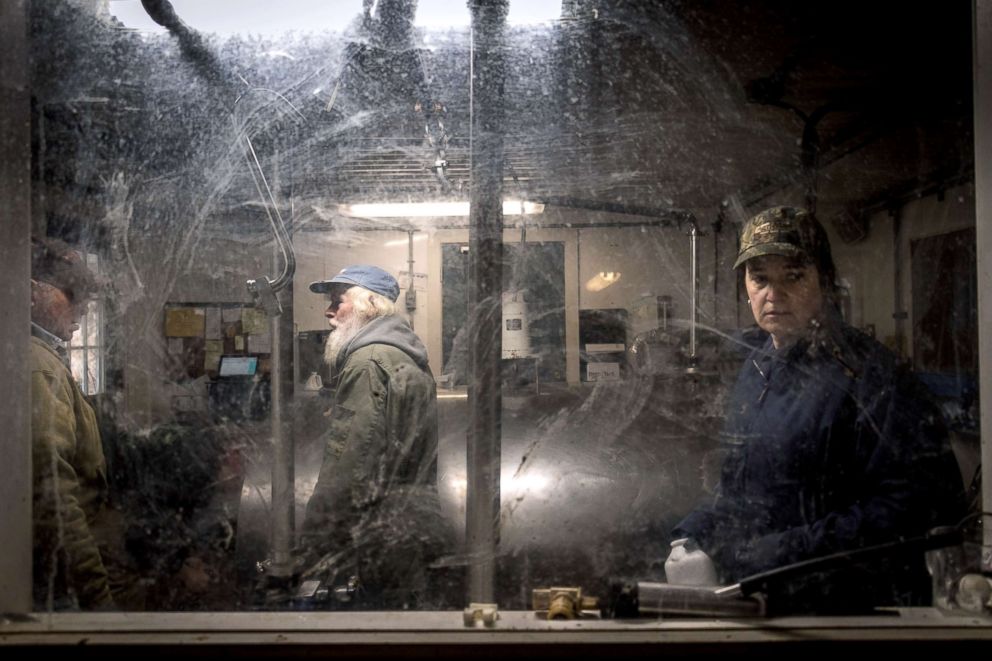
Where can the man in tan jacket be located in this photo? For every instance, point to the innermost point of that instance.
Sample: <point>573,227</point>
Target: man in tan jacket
<point>68,463</point>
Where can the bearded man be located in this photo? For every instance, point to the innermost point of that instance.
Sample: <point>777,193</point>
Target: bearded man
<point>373,525</point>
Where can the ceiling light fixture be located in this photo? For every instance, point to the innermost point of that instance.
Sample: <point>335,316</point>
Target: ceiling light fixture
<point>403,242</point>
<point>432,209</point>
<point>602,280</point>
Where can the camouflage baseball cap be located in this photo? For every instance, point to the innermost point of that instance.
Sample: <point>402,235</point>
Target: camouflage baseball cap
<point>781,231</point>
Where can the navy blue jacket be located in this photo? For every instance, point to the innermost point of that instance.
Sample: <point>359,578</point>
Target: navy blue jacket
<point>831,446</point>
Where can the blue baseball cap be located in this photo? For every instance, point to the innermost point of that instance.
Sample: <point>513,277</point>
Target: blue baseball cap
<point>372,278</point>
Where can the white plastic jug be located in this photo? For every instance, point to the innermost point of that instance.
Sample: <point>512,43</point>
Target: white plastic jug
<point>688,565</point>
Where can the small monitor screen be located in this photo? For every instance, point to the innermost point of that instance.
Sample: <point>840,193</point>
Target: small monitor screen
<point>238,365</point>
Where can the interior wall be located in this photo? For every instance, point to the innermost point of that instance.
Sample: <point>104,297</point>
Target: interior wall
<point>868,268</point>
<point>870,265</point>
<point>319,256</point>
<point>512,235</point>
<point>654,262</point>
<point>214,271</point>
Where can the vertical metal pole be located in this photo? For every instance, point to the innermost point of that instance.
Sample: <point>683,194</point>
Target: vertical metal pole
<point>485,293</point>
<point>983,226</point>
<point>283,441</point>
<point>283,466</point>
<point>693,291</point>
<point>411,292</point>
<point>15,301</point>
<point>899,314</point>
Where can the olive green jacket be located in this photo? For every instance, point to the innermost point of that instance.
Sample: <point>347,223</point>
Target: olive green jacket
<point>69,488</point>
<point>375,509</point>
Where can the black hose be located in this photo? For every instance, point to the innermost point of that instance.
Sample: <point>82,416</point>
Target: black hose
<point>940,538</point>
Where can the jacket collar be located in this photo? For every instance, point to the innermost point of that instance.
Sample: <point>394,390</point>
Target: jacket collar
<point>55,343</point>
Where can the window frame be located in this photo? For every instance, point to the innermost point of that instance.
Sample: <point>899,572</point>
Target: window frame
<point>94,316</point>
<point>348,630</point>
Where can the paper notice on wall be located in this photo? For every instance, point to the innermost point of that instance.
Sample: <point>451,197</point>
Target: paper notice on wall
<point>260,343</point>
<point>212,324</point>
<point>211,361</point>
<point>239,342</point>
<point>230,315</point>
<point>175,345</point>
<point>254,321</point>
<point>419,281</point>
<point>603,371</point>
<point>214,346</point>
<point>184,322</point>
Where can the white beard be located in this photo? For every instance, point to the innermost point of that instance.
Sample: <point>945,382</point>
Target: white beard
<point>340,337</point>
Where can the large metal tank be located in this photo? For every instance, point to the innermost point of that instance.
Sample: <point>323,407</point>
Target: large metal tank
<point>516,329</point>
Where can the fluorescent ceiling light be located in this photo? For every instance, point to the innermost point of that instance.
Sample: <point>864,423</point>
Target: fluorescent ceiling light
<point>432,209</point>
<point>403,242</point>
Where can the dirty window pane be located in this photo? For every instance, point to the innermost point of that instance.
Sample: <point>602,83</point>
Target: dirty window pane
<point>415,305</point>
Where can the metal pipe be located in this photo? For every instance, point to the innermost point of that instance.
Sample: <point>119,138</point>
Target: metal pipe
<point>669,216</point>
<point>313,227</point>
<point>482,512</point>
<point>411,292</point>
<point>899,314</point>
<point>283,442</point>
<point>15,298</point>
<point>271,207</point>
<point>668,599</point>
<point>409,255</point>
<point>983,211</point>
<point>694,286</point>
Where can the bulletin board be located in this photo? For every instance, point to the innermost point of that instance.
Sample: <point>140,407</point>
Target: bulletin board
<point>198,334</point>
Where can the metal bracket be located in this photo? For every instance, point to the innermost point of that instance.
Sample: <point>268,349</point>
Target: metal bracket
<point>477,613</point>
<point>261,290</point>
<point>562,603</point>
